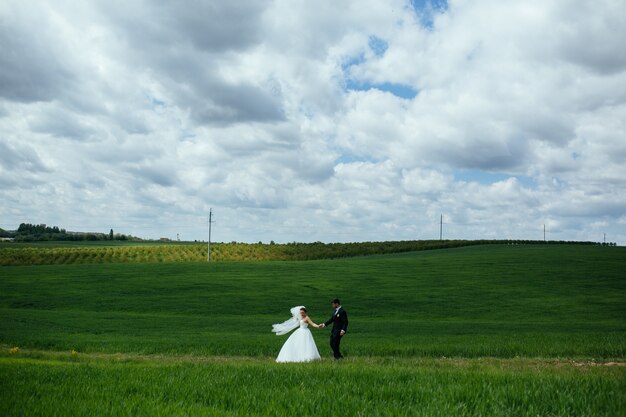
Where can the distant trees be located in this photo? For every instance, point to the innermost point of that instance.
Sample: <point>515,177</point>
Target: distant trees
<point>37,229</point>
<point>31,232</point>
<point>27,232</point>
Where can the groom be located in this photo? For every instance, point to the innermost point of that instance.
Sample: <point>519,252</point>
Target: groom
<point>340,327</point>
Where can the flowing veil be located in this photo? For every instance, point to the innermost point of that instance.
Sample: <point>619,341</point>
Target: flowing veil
<point>288,325</point>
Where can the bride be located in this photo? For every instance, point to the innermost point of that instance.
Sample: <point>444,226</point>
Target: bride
<point>300,347</point>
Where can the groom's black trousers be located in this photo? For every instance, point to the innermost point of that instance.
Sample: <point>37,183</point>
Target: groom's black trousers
<point>335,340</point>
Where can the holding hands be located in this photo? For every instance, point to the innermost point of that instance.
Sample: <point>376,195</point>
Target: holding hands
<point>322,325</point>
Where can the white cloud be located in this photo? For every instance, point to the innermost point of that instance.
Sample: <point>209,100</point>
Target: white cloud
<point>141,116</point>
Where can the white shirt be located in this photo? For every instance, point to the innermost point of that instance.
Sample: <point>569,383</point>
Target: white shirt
<point>337,311</point>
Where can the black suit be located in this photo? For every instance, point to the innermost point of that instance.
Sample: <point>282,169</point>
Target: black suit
<point>339,320</point>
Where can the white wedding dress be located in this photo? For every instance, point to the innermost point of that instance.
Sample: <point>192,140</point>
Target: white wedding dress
<point>300,346</point>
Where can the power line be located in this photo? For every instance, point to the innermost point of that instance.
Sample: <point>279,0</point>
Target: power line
<point>441,227</point>
<point>208,251</point>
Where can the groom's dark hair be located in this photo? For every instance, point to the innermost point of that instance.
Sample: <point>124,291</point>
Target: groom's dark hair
<point>336,301</point>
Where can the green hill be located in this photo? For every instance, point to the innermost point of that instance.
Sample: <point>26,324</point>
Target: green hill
<point>509,330</point>
<point>504,301</point>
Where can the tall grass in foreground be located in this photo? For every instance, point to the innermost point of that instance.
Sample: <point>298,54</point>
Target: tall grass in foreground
<point>240,387</point>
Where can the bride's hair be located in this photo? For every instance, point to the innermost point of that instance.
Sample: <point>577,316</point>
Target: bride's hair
<point>304,309</point>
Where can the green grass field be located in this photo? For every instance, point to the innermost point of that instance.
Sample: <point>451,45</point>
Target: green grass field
<point>483,330</point>
<point>84,385</point>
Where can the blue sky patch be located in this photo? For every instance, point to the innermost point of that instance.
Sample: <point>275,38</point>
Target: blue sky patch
<point>157,103</point>
<point>426,10</point>
<point>377,45</point>
<point>484,177</point>
<point>398,90</point>
<point>349,158</point>
<point>355,60</point>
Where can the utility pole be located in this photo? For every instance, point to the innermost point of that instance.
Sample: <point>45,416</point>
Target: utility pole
<point>604,238</point>
<point>544,232</point>
<point>208,249</point>
<point>441,227</point>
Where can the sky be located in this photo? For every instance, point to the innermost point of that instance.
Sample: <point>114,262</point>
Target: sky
<point>306,121</point>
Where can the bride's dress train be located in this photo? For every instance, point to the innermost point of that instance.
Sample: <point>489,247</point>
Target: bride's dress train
<point>300,347</point>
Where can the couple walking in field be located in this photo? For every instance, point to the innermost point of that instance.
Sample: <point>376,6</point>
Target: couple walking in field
<point>300,346</point>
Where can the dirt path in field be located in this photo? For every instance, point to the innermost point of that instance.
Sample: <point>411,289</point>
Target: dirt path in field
<point>74,356</point>
<point>599,363</point>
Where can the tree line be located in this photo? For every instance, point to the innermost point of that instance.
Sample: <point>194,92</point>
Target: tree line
<point>27,232</point>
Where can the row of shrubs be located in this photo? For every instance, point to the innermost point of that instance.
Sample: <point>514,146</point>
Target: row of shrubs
<point>220,252</point>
